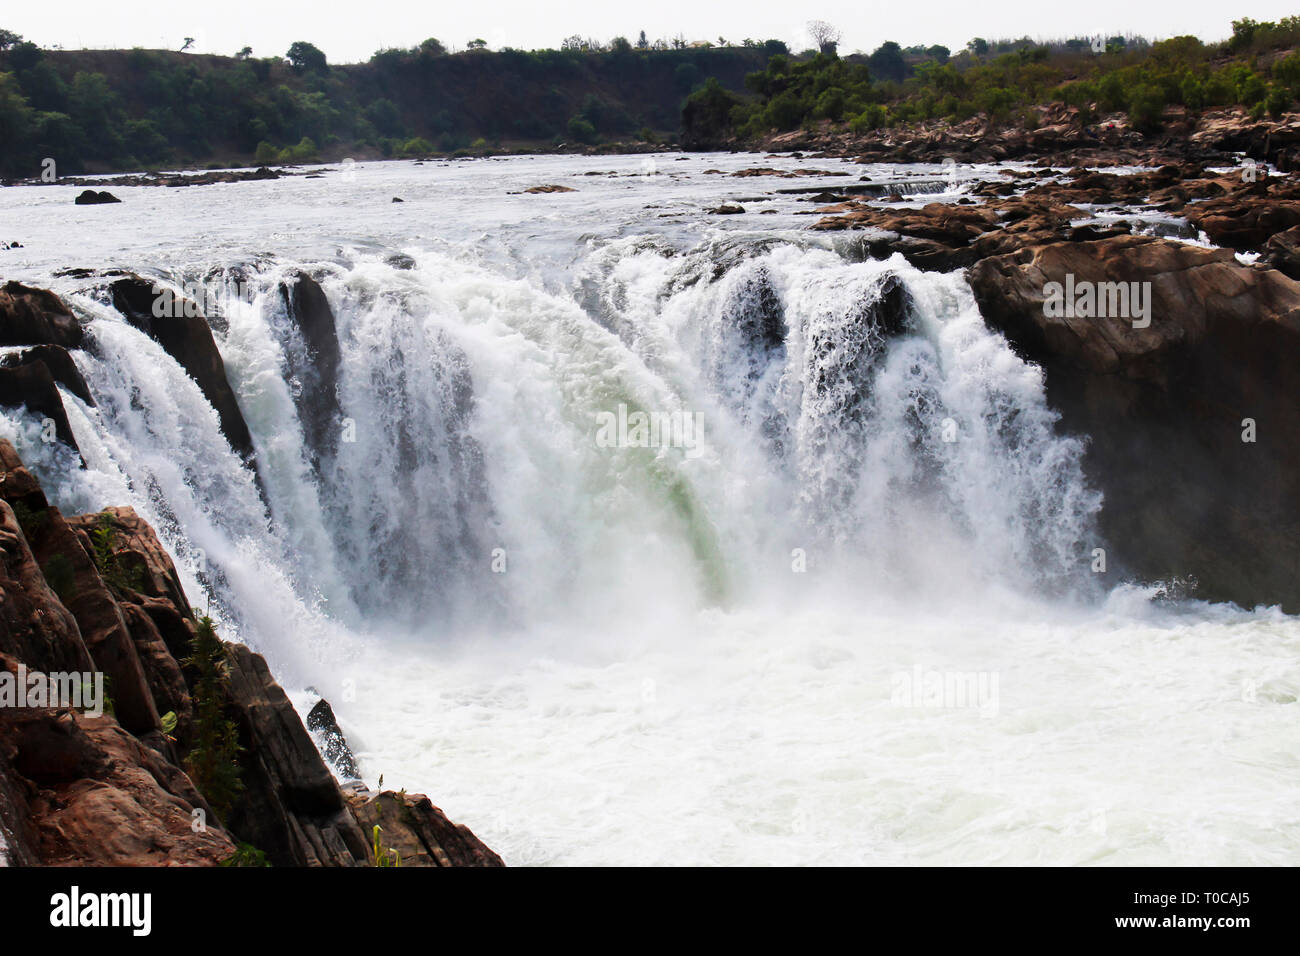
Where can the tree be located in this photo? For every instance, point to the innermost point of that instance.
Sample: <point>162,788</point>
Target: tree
<point>23,55</point>
<point>979,46</point>
<point>213,764</point>
<point>385,117</point>
<point>641,42</point>
<point>15,121</point>
<point>706,115</point>
<point>244,54</point>
<point>1243,33</point>
<point>826,36</point>
<point>306,58</point>
<point>620,45</point>
<point>189,42</point>
<point>477,44</point>
<point>887,62</point>
<point>582,130</point>
<point>939,52</point>
<point>8,39</point>
<point>432,47</point>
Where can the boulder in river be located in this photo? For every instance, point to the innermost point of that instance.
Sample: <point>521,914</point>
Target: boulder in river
<point>1189,411</point>
<point>91,198</point>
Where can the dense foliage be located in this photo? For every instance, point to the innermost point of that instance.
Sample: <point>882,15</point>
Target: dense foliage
<point>1006,80</point>
<point>152,108</point>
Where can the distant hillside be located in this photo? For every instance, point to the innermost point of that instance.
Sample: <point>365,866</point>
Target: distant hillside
<point>122,109</point>
<point>1009,83</point>
<point>130,109</point>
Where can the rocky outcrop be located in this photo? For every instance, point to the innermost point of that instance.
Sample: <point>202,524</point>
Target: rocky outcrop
<point>322,722</point>
<point>98,594</point>
<point>1192,423</point>
<point>90,591</point>
<point>58,361</point>
<point>36,317</point>
<point>31,385</point>
<point>316,366</point>
<point>184,333</point>
<point>418,832</point>
<point>1055,135</point>
<point>94,795</point>
<point>292,808</point>
<point>173,180</point>
<point>1283,252</point>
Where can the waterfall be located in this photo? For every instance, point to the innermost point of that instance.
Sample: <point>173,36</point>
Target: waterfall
<point>858,416</point>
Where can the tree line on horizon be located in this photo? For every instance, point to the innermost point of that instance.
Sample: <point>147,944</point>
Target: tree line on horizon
<point>1007,82</point>
<point>95,109</point>
<point>149,108</point>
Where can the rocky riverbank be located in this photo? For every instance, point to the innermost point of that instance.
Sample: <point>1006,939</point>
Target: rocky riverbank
<point>1059,136</point>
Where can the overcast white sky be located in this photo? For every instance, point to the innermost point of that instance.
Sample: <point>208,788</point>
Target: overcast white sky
<point>351,30</point>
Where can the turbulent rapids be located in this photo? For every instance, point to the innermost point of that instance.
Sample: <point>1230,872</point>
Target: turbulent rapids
<point>474,520</point>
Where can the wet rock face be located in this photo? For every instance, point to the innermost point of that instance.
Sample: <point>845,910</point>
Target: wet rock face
<point>1192,425</point>
<point>36,317</point>
<point>184,334</point>
<point>322,722</point>
<point>292,807</point>
<point>316,368</point>
<point>59,362</point>
<point>32,386</point>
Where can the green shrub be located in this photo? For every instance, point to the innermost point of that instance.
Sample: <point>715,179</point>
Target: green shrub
<point>1278,101</point>
<point>266,154</point>
<point>117,574</point>
<point>304,152</point>
<point>581,130</point>
<point>873,117</point>
<point>1286,71</point>
<point>384,857</point>
<point>213,763</point>
<point>246,855</point>
<point>417,147</point>
<point>1146,108</point>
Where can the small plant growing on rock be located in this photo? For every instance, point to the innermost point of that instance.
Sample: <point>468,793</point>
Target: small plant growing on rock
<point>389,857</point>
<point>246,855</point>
<point>213,764</point>
<point>116,574</point>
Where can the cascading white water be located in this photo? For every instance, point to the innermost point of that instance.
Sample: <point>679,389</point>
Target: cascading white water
<point>691,651</point>
<point>855,414</point>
